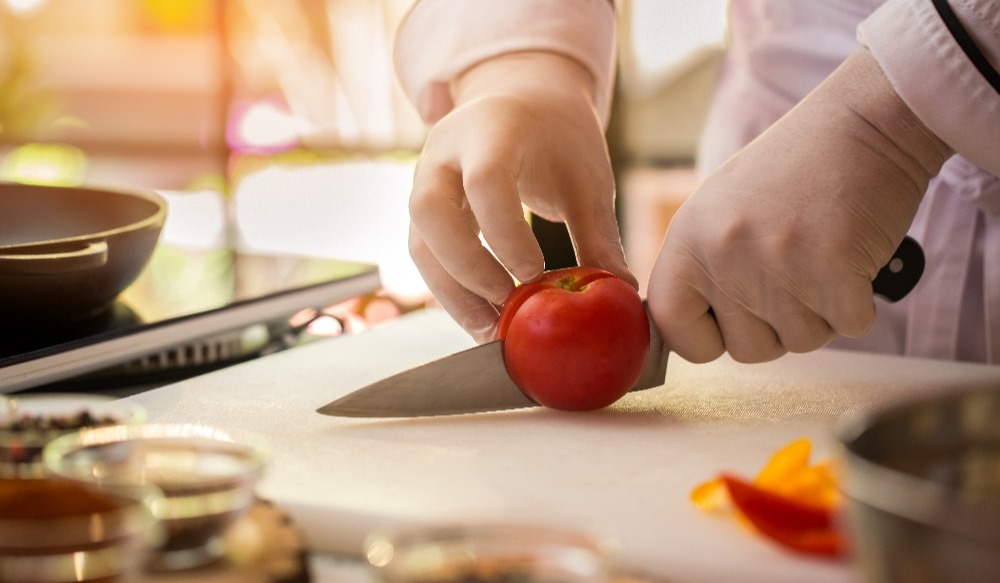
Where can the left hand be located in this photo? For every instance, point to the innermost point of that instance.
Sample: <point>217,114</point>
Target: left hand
<point>524,133</point>
<point>777,250</point>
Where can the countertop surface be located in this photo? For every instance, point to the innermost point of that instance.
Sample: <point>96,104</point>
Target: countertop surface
<point>624,472</point>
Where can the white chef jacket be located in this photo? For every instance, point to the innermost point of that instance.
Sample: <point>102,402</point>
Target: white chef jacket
<point>778,51</point>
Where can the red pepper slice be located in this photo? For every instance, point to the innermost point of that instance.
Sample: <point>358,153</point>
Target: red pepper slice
<point>794,524</point>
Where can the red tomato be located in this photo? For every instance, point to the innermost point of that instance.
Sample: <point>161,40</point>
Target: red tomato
<point>575,339</point>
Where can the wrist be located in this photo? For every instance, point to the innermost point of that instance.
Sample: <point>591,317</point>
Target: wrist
<point>867,93</point>
<point>524,74</point>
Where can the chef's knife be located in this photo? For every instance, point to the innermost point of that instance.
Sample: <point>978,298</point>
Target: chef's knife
<point>475,380</point>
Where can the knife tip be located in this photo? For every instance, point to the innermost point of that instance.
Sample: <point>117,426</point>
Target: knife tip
<point>336,411</point>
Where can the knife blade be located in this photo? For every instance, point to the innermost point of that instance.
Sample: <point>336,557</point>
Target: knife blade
<point>475,380</point>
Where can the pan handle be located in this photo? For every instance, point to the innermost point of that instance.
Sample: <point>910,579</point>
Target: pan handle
<point>53,258</point>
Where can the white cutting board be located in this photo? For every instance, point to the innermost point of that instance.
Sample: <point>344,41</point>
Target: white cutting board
<point>624,472</point>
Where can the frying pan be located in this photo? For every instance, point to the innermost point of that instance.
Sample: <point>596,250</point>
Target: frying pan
<point>67,252</point>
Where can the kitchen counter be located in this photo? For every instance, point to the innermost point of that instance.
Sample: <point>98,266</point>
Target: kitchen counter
<point>624,472</point>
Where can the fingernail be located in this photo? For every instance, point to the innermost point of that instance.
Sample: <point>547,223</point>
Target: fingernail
<point>528,272</point>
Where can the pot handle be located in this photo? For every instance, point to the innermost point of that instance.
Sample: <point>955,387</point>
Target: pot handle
<point>53,258</point>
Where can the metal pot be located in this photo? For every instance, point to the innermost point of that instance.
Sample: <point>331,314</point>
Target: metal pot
<point>923,489</point>
<point>67,252</point>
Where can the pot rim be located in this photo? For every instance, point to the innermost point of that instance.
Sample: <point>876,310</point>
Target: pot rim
<point>923,500</point>
<point>156,219</point>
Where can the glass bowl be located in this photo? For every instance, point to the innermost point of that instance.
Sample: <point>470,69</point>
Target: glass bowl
<point>488,553</point>
<point>29,422</point>
<point>207,476</point>
<point>923,489</point>
<point>57,531</point>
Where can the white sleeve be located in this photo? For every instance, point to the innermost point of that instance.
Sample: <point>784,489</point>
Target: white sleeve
<point>954,96</point>
<point>439,39</point>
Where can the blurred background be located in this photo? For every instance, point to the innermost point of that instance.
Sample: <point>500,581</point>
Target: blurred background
<point>277,125</point>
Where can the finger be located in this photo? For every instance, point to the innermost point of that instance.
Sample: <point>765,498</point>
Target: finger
<point>798,306</point>
<point>473,313</point>
<point>443,223</point>
<point>596,237</point>
<point>493,196</point>
<point>747,338</point>
<point>683,316</point>
<point>799,328</point>
<point>849,308</point>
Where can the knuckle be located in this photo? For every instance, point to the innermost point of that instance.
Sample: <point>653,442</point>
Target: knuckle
<point>804,331</point>
<point>421,204</point>
<point>736,231</point>
<point>752,343</point>
<point>483,176</point>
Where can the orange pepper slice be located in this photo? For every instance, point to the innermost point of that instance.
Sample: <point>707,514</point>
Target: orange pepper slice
<point>789,501</point>
<point>710,495</point>
<point>785,464</point>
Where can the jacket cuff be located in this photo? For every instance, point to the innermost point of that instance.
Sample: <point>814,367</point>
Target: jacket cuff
<point>935,77</point>
<point>440,39</point>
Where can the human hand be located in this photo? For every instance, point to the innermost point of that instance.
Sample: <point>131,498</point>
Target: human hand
<point>776,251</point>
<point>523,131</point>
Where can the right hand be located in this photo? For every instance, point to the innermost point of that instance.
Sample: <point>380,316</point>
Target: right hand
<point>777,249</point>
<point>524,131</point>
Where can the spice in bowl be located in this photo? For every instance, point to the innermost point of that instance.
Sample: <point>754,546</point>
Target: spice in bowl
<point>28,423</point>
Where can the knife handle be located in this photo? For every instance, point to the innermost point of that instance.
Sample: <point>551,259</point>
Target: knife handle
<point>901,274</point>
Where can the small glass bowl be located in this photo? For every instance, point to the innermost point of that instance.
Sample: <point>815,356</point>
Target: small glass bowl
<point>57,531</point>
<point>207,476</point>
<point>29,422</point>
<point>488,553</point>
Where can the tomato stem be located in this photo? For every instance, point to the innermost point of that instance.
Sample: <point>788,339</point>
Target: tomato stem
<point>577,283</point>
